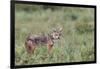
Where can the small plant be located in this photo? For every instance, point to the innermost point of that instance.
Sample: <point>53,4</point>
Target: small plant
<point>84,27</point>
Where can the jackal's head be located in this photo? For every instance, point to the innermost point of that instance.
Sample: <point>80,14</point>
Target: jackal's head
<point>56,33</point>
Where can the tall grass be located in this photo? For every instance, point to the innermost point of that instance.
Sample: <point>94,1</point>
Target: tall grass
<point>77,40</point>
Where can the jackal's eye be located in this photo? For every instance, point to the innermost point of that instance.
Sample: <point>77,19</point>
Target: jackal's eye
<point>59,34</point>
<point>56,34</point>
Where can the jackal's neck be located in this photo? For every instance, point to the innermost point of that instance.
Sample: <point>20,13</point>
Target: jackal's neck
<point>51,37</point>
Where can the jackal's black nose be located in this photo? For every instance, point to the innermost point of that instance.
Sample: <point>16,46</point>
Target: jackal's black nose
<point>58,37</point>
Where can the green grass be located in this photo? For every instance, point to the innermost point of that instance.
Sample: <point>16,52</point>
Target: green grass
<point>75,45</point>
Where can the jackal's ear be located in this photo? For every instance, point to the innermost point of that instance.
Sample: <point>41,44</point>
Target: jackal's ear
<point>60,29</point>
<point>54,30</point>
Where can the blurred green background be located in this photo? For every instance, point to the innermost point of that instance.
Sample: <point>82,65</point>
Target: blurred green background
<point>76,43</point>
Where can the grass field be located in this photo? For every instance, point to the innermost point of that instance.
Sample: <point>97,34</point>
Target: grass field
<point>77,40</point>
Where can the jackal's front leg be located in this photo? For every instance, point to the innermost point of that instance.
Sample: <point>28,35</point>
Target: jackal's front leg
<point>49,49</point>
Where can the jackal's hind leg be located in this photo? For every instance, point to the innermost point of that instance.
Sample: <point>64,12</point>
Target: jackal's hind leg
<point>30,47</point>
